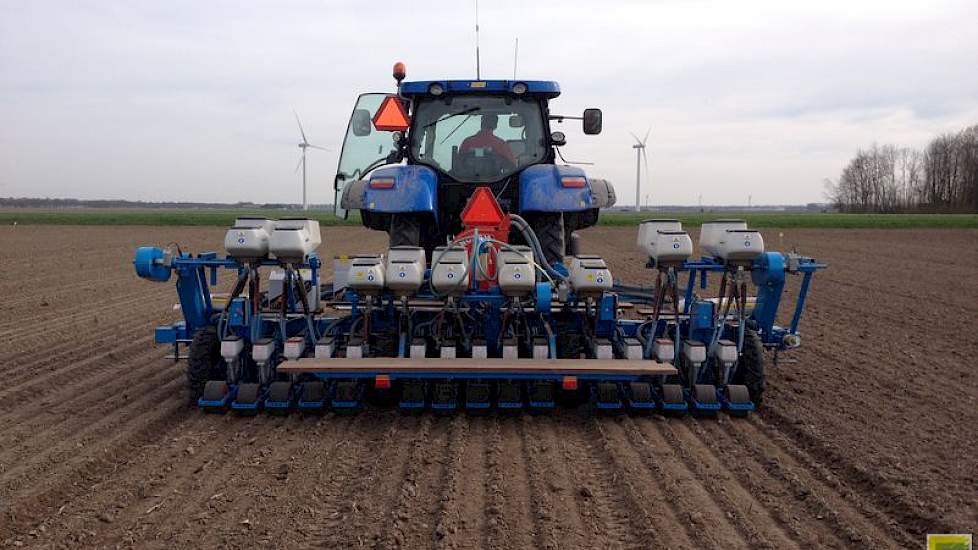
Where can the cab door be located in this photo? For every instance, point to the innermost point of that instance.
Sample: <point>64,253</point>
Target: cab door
<point>364,147</point>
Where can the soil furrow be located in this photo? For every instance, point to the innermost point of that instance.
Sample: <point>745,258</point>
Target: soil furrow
<point>400,513</point>
<point>81,473</point>
<point>470,490</point>
<point>423,490</point>
<point>75,447</point>
<point>754,522</point>
<point>510,512</point>
<point>76,420</point>
<point>810,468</point>
<point>449,513</point>
<point>551,489</point>
<point>373,490</point>
<point>820,501</point>
<point>776,497</point>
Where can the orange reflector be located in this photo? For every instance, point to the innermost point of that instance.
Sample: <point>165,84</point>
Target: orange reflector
<point>382,183</point>
<point>382,382</point>
<point>482,210</point>
<point>573,181</point>
<point>391,117</point>
<point>569,383</point>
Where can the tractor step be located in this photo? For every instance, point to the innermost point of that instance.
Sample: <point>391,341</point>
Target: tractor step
<point>216,397</point>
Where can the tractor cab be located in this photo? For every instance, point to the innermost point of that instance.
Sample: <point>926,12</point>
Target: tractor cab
<point>412,160</point>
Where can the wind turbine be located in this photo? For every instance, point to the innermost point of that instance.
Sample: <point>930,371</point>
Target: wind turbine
<point>304,144</point>
<point>639,156</point>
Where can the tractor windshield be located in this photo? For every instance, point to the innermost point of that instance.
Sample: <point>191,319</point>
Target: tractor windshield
<point>478,138</point>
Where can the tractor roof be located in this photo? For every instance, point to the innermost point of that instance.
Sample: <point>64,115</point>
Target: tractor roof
<point>545,88</point>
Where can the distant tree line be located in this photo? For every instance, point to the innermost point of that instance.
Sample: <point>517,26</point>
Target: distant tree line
<point>885,178</point>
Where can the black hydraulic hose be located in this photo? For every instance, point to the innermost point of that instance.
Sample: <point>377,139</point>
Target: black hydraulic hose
<point>531,238</point>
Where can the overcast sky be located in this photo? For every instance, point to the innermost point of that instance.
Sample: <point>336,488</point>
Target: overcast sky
<point>191,100</point>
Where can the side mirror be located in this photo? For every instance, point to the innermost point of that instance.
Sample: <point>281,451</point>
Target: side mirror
<point>516,121</point>
<point>592,121</point>
<point>360,123</point>
<point>558,139</point>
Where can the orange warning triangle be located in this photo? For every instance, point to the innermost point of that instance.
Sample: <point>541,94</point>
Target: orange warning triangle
<point>482,210</point>
<point>391,117</point>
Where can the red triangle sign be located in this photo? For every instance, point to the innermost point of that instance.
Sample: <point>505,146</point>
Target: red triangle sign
<point>482,210</point>
<point>391,117</point>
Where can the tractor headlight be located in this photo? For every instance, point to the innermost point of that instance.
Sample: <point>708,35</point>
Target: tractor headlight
<point>436,89</point>
<point>519,88</point>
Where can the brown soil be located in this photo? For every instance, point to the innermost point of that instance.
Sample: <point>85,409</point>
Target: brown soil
<point>867,439</point>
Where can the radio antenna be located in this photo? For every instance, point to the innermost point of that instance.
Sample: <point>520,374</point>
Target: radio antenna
<point>516,55</point>
<point>478,74</point>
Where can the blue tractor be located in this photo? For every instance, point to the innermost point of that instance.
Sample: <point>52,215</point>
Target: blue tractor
<point>481,301</point>
<point>439,140</point>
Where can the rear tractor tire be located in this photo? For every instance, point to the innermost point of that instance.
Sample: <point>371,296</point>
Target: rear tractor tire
<point>750,369</point>
<point>549,229</point>
<point>204,363</point>
<point>405,230</point>
<point>413,230</point>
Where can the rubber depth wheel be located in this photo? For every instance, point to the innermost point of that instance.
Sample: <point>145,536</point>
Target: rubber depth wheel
<point>705,393</point>
<point>279,391</point>
<point>445,392</point>
<point>313,391</point>
<point>541,391</point>
<point>549,229</point>
<point>607,392</point>
<point>672,393</point>
<point>215,390</point>
<point>204,363</point>
<point>641,392</point>
<point>347,390</point>
<point>737,394</point>
<point>477,392</point>
<point>247,393</point>
<point>750,368</point>
<point>509,392</point>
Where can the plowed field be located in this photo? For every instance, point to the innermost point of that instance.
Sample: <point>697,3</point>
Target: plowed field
<point>867,439</point>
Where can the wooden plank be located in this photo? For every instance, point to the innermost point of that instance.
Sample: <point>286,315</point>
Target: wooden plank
<point>384,365</point>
